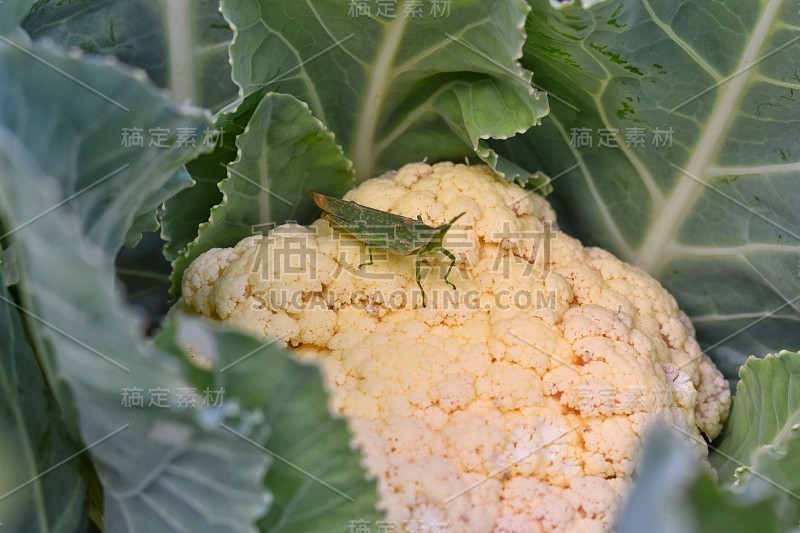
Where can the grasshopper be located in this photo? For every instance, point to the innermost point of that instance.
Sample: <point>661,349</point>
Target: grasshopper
<point>387,232</point>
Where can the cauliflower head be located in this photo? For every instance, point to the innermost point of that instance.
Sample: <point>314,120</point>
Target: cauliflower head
<point>517,402</point>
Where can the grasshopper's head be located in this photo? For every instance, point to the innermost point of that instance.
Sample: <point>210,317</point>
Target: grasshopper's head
<point>447,226</point>
<point>444,228</point>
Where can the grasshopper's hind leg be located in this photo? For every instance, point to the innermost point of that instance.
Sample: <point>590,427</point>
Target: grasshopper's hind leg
<point>368,263</point>
<point>452,258</point>
<point>418,270</point>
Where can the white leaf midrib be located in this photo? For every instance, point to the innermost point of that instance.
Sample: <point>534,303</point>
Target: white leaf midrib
<point>178,29</point>
<point>680,202</point>
<point>714,318</point>
<point>730,250</point>
<point>721,172</point>
<point>377,89</point>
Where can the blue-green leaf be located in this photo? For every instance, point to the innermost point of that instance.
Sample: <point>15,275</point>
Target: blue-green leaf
<point>676,494</point>
<point>12,12</point>
<point>8,265</point>
<point>182,44</point>
<point>147,219</point>
<point>284,153</point>
<point>760,447</point>
<point>36,494</point>
<point>78,119</point>
<point>418,81</point>
<point>667,468</point>
<point>701,189</point>
<point>185,212</point>
<point>158,467</point>
<point>316,479</point>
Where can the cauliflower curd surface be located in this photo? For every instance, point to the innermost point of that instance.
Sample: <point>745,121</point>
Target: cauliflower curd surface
<point>517,402</point>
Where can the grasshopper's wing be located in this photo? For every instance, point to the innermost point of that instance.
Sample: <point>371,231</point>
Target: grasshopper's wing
<point>378,239</point>
<point>411,236</point>
<point>395,234</point>
<point>347,210</point>
<point>336,206</point>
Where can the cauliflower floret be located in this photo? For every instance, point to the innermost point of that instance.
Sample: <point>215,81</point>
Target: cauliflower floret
<point>200,279</point>
<point>518,401</point>
<point>713,399</point>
